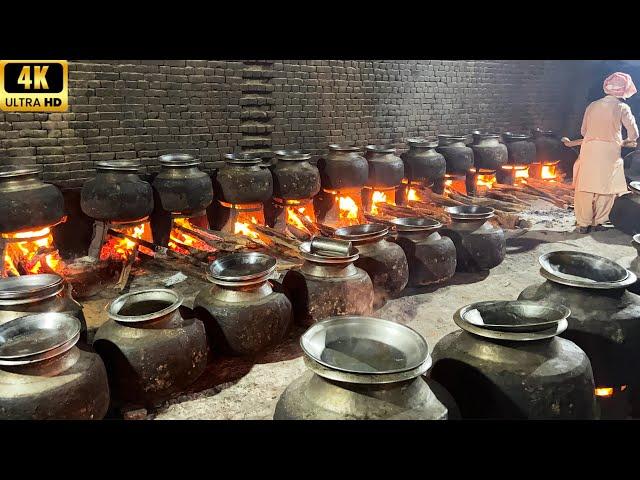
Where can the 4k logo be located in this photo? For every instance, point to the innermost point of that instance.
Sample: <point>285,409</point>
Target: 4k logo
<point>34,85</point>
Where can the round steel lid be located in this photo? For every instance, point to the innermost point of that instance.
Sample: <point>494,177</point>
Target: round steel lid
<point>415,224</point>
<point>582,269</point>
<point>178,160</point>
<point>365,231</point>
<point>10,172</point>
<point>30,287</point>
<point>552,331</point>
<point>248,159</point>
<point>144,305</point>
<point>305,251</point>
<point>119,165</point>
<point>422,142</point>
<point>292,155</point>
<point>513,316</point>
<point>36,334</point>
<point>242,266</point>
<point>469,212</point>
<point>364,345</point>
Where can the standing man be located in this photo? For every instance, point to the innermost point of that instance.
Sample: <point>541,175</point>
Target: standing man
<point>599,171</point>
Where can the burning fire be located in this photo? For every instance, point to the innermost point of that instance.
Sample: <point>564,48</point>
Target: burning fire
<point>486,180</point>
<point>122,248</point>
<point>604,392</point>
<point>36,249</point>
<point>243,228</point>
<point>376,198</point>
<point>348,208</point>
<point>412,195</point>
<point>548,172</point>
<point>180,237</point>
<point>293,217</point>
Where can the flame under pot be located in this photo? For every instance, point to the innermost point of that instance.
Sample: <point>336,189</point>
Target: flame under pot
<point>244,315</point>
<point>343,168</point>
<point>26,202</point>
<point>117,193</point>
<point>294,178</point>
<point>151,352</point>
<point>431,257</point>
<point>362,368</point>
<point>243,179</point>
<point>491,378</point>
<point>480,245</point>
<point>488,152</point>
<point>327,286</point>
<point>386,169</point>
<point>520,147</point>
<point>384,261</point>
<point>458,156</point>
<point>422,163</point>
<point>549,148</point>
<point>45,376</point>
<point>181,186</point>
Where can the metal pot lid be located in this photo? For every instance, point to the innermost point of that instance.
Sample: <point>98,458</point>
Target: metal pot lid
<point>364,345</point>
<point>30,287</point>
<point>305,252</point>
<point>17,171</point>
<point>144,305</point>
<point>242,266</point>
<point>635,187</point>
<point>516,136</point>
<point>365,231</point>
<point>292,155</point>
<point>380,148</point>
<point>178,160</point>
<point>344,147</point>
<point>415,224</point>
<point>422,142</point>
<point>583,269</point>
<point>246,159</point>
<point>469,212</point>
<point>631,279</point>
<point>36,334</point>
<point>514,316</point>
<point>119,165</point>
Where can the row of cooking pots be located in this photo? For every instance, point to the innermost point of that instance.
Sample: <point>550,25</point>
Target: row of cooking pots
<point>507,361</point>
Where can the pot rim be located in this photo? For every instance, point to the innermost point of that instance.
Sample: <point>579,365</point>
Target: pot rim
<point>363,231</point>
<point>244,159</point>
<point>9,172</point>
<point>516,136</point>
<point>635,240</point>
<point>169,295</point>
<point>628,277</point>
<point>482,135</point>
<point>422,142</point>
<point>305,250</point>
<point>380,148</point>
<point>119,165</point>
<point>631,279</point>
<point>217,269</point>
<point>416,224</point>
<point>454,138</point>
<point>470,212</point>
<point>68,326</point>
<point>541,131</point>
<point>367,327</point>
<point>292,155</point>
<point>29,288</point>
<point>178,160</point>
<point>344,147</point>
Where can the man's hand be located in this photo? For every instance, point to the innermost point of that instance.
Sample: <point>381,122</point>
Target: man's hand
<point>565,140</point>
<point>629,144</point>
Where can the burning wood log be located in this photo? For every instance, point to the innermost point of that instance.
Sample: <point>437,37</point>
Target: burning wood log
<point>279,239</point>
<point>232,243</point>
<point>325,230</point>
<point>309,225</point>
<point>126,269</point>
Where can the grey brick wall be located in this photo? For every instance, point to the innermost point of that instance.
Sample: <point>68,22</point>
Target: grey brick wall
<point>142,109</point>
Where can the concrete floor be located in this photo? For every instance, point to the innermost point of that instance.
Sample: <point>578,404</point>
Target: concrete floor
<point>234,388</point>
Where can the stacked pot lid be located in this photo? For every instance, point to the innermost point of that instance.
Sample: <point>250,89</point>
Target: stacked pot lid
<point>513,320</point>
<point>469,212</point>
<point>29,288</point>
<point>240,269</point>
<point>584,270</point>
<point>415,224</point>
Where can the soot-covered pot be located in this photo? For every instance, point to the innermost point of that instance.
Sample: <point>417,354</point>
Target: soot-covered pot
<point>423,164</point>
<point>488,152</point>
<point>507,362</point>
<point>343,168</point>
<point>361,368</point>
<point>41,293</point>
<point>431,257</point>
<point>625,213</point>
<point>243,179</point>
<point>549,147</point>
<point>384,261</point>
<point>386,169</point>
<point>26,202</point>
<point>521,148</point>
<point>45,376</point>
<point>605,317</point>
<point>181,186</point>
<point>117,193</point>
<point>294,178</point>
<point>245,311</point>
<point>480,245</point>
<point>328,284</point>
<point>151,352</point>
<point>458,156</point>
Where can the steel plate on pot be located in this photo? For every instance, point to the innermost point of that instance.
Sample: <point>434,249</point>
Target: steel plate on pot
<point>30,287</point>
<point>366,230</point>
<point>242,266</point>
<point>415,224</point>
<point>554,330</point>
<point>36,334</point>
<point>583,269</point>
<point>469,212</point>
<point>514,316</point>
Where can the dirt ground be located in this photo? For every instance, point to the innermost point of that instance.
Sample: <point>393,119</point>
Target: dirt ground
<point>248,388</point>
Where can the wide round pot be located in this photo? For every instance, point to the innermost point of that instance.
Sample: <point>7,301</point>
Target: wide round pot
<point>458,156</point>
<point>328,286</point>
<point>181,186</point>
<point>384,261</point>
<point>423,164</point>
<point>45,376</point>
<point>480,245</point>
<point>549,148</point>
<point>605,317</point>
<point>386,169</point>
<point>294,178</point>
<point>431,257</point>
<point>117,193</point>
<point>361,368</point>
<point>488,152</point>
<point>245,311</point>
<point>344,167</point>
<point>520,147</point>
<point>26,202</point>
<point>530,374</point>
<point>41,293</point>
<point>150,351</point>
<point>244,179</point>
<point>625,213</point>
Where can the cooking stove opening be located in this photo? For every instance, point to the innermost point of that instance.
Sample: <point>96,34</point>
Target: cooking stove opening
<point>339,208</point>
<point>185,235</point>
<point>238,218</point>
<point>480,181</point>
<point>374,197</point>
<point>513,174</point>
<point>545,171</point>
<point>294,217</point>
<point>614,402</point>
<point>455,183</point>
<point>115,240</point>
<point>30,252</point>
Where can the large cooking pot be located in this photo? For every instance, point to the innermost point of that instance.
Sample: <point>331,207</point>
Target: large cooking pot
<point>422,163</point>
<point>549,147</point>
<point>386,169</point>
<point>294,178</point>
<point>625,213</point>
<point>181,186</point>
<point>488,152</point>
<point>520,147</point>
<point>343,168</point>
<point>458,156</point>
<point>243,179</point>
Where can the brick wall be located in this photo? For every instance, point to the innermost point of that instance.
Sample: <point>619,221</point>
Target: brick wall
<point>142,109</point>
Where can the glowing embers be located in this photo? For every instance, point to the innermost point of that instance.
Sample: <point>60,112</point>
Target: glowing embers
<point>608,392</point>
<point>412,195</point>
<point>513,174</point>
<point>480,181</point>
<point>243,223</point>
<point>180,238</point>
<point>121,248</point>
<point>29,252</point>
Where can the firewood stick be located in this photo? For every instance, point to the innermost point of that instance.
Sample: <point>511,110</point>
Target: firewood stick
<point>224,236</point>
<point>126,269</point>
<point>188,268</point>
<point>217,244</point>
<point>309,225</point>
<point>325,230</point>
<point>281,238</point>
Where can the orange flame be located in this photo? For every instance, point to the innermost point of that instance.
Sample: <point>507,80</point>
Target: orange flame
<point>348,208</point>
<point>604,392</point>
<point>548,172</point>
<point>294,219</point>
<point>243,227</point>
<point>180,237</point>
<point>412,195</point>
<point>26,252</point>
<point>486,180</point>
<point>122,248</point>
